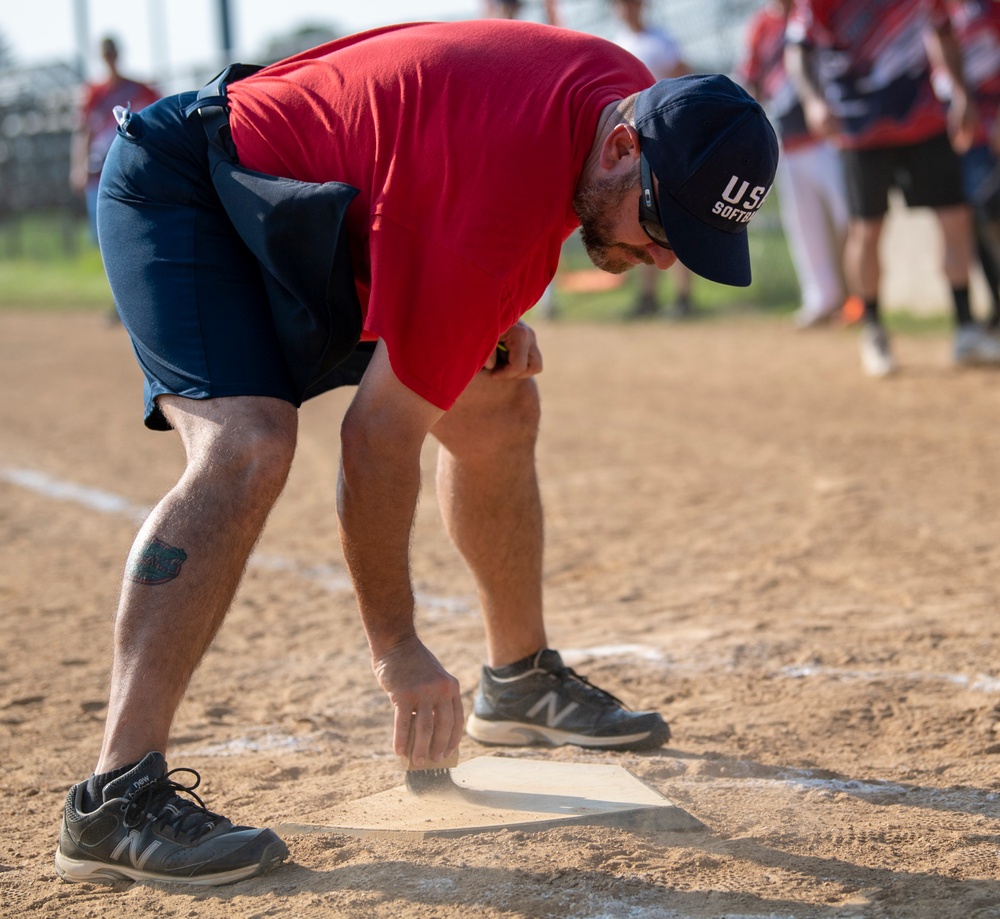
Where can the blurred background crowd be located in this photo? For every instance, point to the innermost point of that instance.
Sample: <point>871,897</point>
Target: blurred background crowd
<point>56,123</point>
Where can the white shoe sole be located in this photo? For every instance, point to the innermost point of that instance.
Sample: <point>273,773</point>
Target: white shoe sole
<point>91,872</point>
<point>519,734</point>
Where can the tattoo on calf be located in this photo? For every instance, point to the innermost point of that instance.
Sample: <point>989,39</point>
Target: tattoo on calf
<point>156,563</point>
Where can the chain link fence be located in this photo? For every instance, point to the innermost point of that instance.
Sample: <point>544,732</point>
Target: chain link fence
<point>37,113</point>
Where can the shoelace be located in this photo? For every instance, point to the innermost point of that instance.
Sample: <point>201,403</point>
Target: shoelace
<point>181,816</point>
<point>568,673</point>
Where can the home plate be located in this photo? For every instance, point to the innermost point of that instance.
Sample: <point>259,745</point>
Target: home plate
<point>492,793</point>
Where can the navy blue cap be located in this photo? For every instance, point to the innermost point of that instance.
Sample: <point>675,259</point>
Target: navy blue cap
<point>714,154</point>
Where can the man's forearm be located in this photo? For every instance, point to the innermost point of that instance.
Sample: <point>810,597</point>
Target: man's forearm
<point>377,498</point>
<point>944,50</point>
<point>799,66</point>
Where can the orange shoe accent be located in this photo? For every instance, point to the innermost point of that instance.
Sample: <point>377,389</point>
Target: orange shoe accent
<point>852,311</point>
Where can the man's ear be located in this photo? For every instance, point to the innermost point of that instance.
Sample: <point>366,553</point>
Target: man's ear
<point>622,143</point>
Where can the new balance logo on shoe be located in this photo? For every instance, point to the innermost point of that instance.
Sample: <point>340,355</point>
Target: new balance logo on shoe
<point>550,702</point>
<point>145,830</point>
<point>131,842</point>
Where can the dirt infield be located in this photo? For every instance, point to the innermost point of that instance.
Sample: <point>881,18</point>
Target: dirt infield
<point>798,565</point>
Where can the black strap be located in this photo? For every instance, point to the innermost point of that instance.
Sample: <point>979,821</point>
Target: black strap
<point>296,232</point>
<point>213,108</point>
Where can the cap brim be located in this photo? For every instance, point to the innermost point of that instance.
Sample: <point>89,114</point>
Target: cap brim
<point>710,253</point>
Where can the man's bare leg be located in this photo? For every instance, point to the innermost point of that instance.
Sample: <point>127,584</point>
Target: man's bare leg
<point>861,257</point>
<point>187,561</point>
<point>958,242</point>
<point>488,492</point>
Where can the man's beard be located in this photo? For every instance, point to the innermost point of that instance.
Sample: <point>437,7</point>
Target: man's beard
<point>598,207</point>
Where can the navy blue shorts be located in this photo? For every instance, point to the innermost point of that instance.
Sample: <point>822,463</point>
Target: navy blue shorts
<point>188,290</point>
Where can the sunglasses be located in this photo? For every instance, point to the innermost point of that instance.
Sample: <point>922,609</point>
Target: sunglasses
<point>649,217</point>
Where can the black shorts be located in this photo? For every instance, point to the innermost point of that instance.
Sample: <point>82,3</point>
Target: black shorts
<point>929,174</point>
<point>189,291</point>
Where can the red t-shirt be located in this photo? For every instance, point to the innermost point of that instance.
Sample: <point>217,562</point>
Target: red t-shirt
<point>466,141</point>
<point>97,115</point>
<point>873,65</point>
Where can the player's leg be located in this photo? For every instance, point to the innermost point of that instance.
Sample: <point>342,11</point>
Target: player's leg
<point>488,491</point>
<point>682,276</point>
<point>863,263</point>
<point>190,298</point>
<point>955,224</point>
<point>980,175</point>
<point>815,237</point>
<point>187,561</point>
<point>935,181</point>
<point>868,175</point>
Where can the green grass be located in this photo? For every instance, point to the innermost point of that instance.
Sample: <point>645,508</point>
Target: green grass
<point>47,262</point>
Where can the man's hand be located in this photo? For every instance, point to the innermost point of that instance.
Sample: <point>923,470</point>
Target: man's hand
<point>421,689</point>
<point>524,359</point>
<point>962,120</point>
<point>819,119</point>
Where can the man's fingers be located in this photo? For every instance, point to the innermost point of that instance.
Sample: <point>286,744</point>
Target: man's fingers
<point>458,723</point>
<point>444,720</point>
<point>419,730</point>
<point>427,734</point>
<point>518,355</point>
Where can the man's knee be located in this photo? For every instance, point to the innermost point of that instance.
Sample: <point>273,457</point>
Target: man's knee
<point>523,409</point>
<point>246,442</point>
<point>500,417</point>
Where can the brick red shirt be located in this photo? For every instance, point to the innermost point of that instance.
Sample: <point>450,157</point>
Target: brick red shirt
<point>466,141</point>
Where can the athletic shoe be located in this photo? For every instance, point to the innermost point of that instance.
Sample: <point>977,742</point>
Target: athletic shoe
<point>551,704</point>
<point>974,345</point>
<point>876,357</point>
<point>144,830</point>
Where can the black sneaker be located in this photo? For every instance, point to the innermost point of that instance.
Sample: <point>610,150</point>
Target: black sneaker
<point>551,704</point>
<point>144,830</point>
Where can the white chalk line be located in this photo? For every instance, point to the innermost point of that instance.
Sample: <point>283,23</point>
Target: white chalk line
<point>332,578</point>
<point>978,683</point>
<point>94,498</point>
<point>335,579</point>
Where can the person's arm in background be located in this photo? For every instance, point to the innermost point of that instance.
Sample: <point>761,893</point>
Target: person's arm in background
<point>799,61</point>
<point>79,151</point>
<point>945,54</point>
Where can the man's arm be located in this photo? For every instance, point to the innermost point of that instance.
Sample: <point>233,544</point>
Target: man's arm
<point>79,149</point>
<point>799,64</point>
<point>945,53</point>
<point>379,483</point>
